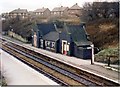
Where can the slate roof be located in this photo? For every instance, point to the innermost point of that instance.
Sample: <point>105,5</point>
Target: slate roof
<point>19,11</point>
<point>52,36</point>
<point>41,10</point>
<point>59,9</point>
<point>78,34</point>
<point>75,6</point>
<point>45,28</point>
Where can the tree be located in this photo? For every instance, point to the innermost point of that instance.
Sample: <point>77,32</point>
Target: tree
<point>98,10</point>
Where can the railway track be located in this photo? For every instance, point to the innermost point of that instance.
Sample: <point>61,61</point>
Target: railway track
<point>60,72</point>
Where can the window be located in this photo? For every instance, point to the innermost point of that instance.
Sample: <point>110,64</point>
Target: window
<point>41,45</point>
<point>47,43</point>
<point>67,49</point>
<point>23,17</point>
<point>53,44</point>
<point>54,12</point>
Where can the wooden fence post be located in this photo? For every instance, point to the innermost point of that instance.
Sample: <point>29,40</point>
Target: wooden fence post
<point>108,60</point>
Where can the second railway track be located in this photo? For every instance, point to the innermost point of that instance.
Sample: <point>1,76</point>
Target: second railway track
<point>60,72</point>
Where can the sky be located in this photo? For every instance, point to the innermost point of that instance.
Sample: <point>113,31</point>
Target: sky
<point>31,5</point>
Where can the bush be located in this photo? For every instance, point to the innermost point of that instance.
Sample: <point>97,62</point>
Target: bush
<point>104,55</point>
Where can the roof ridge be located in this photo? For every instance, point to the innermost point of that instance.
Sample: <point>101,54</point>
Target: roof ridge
<point>59,8</point>
<point>40,9</point>
<point>75,6</point>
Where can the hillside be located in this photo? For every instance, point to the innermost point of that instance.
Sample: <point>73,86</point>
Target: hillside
<point>104,33</point>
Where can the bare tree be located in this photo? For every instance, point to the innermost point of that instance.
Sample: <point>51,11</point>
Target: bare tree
<point>98,10</point>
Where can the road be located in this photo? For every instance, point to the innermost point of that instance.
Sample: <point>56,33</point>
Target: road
<point>17,73</point>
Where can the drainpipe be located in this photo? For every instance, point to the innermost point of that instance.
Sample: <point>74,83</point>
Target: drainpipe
<point>92,59</point>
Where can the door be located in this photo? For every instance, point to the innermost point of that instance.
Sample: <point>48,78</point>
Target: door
<point>64,47</point>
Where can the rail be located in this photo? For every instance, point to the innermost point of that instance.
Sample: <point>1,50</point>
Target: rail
<point>72,74</point>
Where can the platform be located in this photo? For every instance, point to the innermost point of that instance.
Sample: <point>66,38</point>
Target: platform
<point>99,69</point>
<point>18,73</point>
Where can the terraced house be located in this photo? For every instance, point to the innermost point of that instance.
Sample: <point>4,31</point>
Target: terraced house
<point>42,12</point>
<point>21,13</point>
<point>74,11</point>
<point>59,11</point>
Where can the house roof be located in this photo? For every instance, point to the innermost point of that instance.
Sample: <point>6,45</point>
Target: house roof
<point>75,6</point>
<point>41,10</point>
<point>19,11</point>
<point>60,8</point>
<point>52,36</point>
<point>78,34</point>
<point>45,28</point>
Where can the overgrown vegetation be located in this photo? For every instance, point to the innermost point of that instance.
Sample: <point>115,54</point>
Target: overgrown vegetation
<point>97,10</point>
<point>104,55</point>
<point>104,33</point>
<point>102,23</point>
<point>20,27</point>
<point>2,80</point>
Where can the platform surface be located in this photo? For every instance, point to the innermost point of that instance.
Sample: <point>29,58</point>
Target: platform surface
<point>18,73</point>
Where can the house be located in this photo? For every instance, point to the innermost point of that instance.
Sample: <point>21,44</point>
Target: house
<point>21,13</point>
<point>74,41</point>
<point>77,42</point>
<point>74,11</point>
<point>39,31</point>
<point>59,11</point>
<point>42,12</point>
<point>51,41</point>
<point>71,40</point>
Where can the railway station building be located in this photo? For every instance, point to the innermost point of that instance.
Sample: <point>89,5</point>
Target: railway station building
<point>71,40</point>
